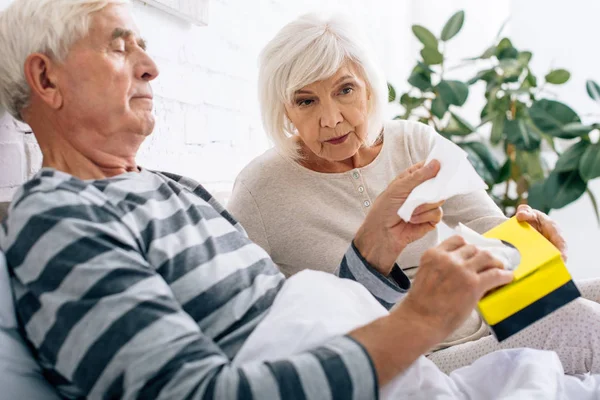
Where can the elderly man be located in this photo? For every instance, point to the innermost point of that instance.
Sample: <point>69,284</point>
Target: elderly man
<point>135,284</point>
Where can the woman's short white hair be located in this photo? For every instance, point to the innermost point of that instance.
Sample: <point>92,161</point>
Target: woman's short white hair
<point>310,49</point>
<point>49,27</point>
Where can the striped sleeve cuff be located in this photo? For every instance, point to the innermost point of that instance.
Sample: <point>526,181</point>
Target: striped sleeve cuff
<point>349,369</point>
<point>339,369</point>
<point>388,290</point>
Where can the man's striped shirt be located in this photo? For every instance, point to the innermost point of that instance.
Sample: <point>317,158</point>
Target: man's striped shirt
<point>142,286</point>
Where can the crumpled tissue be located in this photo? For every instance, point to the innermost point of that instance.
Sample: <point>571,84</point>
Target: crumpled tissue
<point>456,176</point>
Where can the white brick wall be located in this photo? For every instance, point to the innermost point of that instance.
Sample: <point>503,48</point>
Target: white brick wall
<point>208,125</point>
<point>208,122</point>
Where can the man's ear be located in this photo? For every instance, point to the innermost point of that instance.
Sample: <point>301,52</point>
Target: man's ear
<point>41,75</point>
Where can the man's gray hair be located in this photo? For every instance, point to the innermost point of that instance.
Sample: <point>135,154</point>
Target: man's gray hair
<point>38,26</point>
<point>312,48</point>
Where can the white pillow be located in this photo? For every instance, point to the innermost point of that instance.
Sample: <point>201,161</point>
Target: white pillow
<point>8,318</point>
<point>20,375</point>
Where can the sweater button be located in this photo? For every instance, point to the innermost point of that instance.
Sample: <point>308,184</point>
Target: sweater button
<point>367,203</point>
<point>355,175</point>
<point>361,189</point>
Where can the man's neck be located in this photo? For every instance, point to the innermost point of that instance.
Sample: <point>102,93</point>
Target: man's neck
<point>78,165</point>
<point>91,161</point>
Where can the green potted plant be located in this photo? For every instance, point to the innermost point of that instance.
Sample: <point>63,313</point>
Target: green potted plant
<point>518,115</point>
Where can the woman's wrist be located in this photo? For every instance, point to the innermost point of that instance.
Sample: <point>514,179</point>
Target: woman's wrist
<point>375,250</point>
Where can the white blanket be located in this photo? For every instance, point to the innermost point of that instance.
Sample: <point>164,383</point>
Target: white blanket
<point>330,307</point>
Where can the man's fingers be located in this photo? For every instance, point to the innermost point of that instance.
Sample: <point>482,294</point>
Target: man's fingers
<point>493,278</point>
<point>452,243</point>
<point>484,260</point>
<point>467,252</point>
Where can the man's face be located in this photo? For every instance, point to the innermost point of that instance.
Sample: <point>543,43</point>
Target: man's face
<point>105,84</point>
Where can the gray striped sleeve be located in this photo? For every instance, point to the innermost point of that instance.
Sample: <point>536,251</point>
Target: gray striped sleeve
<point>387,290</point>
<point>126,335</point>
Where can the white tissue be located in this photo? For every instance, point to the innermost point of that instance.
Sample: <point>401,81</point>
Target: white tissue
<point>456,176</point>
<point>509,256</point>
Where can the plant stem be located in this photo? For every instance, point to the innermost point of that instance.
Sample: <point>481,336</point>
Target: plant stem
<point>442,51</point>
<point>594,204</point>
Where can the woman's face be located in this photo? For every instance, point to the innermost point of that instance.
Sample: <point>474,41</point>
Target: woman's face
<point>331,115</point>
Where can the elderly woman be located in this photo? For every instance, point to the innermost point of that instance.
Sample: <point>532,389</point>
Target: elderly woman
<point>135,284</point>
<point>322,99</point>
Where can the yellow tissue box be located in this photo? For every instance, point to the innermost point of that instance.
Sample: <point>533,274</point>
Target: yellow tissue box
<point>542,282</point>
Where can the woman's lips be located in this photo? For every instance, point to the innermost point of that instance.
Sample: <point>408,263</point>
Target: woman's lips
<point>338,140</point>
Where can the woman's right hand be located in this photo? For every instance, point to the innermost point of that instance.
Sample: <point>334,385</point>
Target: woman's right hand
<point>451,279</point>
<point>383,234</point>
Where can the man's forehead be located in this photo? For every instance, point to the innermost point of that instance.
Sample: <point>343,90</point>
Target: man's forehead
<point>114,21</point>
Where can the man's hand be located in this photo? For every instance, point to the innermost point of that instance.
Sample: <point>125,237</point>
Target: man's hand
<point>383,235</point>
<point>544,225</point>
<point>450,281</point>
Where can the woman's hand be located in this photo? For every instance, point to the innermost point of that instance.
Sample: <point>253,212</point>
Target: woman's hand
<point>383,235</point>
<point>544,225</point>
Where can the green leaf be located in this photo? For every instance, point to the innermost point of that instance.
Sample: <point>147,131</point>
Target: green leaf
<point>504,172</point>
<point>593,90</point>
<point>558,76</point>
<point>505,50</point>
<point>511,69</point>
<point>530,165</point>
<point>453,92</point>
<point>391,93</point>
<point>589,166</point>
<point>530,81</point>
<point>453,26</point>
<point>424,67</point>
<point>485,75</point>
<point>570,159</point>
<point>576,129</point>
<point>409,101</point>
<point>482,159</point>
<point>439,107</point>
<point>519,133</point>
<point>420,78</point>
<point>431,56</point>
<point>485,118</point>
<point>551,117</point>
<point>536,198</point>
<point>425,36</point>
<point>524,57</point>
<point>458,126</point>
<point>562,188</point>
<point>497,129</point>
<point>490,51</point>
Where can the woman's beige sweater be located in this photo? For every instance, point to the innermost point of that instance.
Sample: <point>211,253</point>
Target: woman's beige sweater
<point>307,219</point>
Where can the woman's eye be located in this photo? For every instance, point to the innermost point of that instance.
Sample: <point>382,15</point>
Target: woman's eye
<point>304,103</point>
<point>347,90</point>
